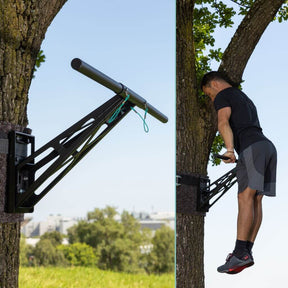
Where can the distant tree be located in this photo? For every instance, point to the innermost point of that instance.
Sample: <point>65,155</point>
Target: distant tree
<point>46,254</point>
<point>101,226</point>
<point>121,255</point>
<point>26,251</point>
<point>117,243</point>
<point>162,259</point>
<point>108,212</point>
<point>55,237</point>
<point>130,224</point>
<point>79,254</point>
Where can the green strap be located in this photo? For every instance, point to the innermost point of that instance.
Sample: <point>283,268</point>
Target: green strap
<point>145,126</point>
<point>118,110</point>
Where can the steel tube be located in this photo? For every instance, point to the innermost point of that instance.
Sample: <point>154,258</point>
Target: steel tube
<point>117,87</point>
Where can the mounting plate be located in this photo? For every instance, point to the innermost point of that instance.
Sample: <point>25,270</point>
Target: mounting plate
<point>21,145</point>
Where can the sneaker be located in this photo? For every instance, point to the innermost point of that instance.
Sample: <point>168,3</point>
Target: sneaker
<point>235,265</point>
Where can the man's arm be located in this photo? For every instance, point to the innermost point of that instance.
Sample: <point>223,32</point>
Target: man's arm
<point>226,132</point>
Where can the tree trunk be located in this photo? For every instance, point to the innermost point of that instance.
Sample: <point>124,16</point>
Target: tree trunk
<point>9,254</point>
<point>23,25</point>
<point>195,131</point>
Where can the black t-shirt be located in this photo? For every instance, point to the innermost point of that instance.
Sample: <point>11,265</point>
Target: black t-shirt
<point>244,120</point>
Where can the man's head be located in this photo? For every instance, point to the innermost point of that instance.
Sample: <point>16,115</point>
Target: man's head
<point>212,83</point>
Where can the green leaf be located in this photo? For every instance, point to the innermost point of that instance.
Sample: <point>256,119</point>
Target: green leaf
<point>40,59</point>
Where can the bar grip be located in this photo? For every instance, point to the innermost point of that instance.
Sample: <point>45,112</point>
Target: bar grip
<point>222,157</point>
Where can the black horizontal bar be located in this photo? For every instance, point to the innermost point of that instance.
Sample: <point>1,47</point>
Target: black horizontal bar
<point>117,87</point>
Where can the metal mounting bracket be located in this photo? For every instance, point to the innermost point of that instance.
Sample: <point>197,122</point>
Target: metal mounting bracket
<point>56,158</point>
<point>206,191</point>
<point>20,145</point>
<point>218,188</point>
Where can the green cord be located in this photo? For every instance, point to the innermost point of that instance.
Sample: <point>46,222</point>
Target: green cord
<point>145,126</point>
<point>118,110</point>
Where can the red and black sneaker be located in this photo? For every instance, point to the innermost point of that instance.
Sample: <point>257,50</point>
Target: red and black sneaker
<point>235,265</point>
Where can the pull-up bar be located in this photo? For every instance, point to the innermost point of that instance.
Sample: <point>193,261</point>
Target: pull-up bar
<point>117,87</point>
<point>28,173</point>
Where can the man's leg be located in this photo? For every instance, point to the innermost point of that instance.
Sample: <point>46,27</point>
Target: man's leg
<point>258,214</point>
<point>241,258</point>
<point>246,215</point>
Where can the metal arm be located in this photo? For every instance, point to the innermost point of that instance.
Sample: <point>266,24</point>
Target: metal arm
<point>117,87</point>
<point>57,157</point>
<point>217,189</point>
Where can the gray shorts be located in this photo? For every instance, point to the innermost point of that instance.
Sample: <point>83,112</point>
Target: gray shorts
<point>256,168</point>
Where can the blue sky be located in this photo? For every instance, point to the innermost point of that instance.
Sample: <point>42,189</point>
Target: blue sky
<point>133,42</point>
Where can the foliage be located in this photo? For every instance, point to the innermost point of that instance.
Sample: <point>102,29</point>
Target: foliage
<point>121,250</point>
<point>55,237</point>
<point>210,14</point>
<point>46,254</point>
<point>245,5</point>
<point>107,243</point>
<point>89,277</point>
<point>39,60</point>
<point>216,148</point>
<point>79,254</point>
<point>100,227</point>
<point>282,13</point>
<point>161,259</point>
<point>26,252</point>
<point>117,243</point>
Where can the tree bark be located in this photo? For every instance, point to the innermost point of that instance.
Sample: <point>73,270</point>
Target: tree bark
<point>9,254</point>
<point>23,25</point>
<point>195,131</point>
<point>246,38</point>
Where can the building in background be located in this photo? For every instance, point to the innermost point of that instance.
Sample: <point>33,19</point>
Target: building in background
<point>61,223</point>
<point>52,223</point>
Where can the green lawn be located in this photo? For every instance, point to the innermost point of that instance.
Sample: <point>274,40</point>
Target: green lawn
<point>81,277</point>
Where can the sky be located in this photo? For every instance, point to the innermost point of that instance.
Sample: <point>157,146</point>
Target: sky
<point>133,42</point>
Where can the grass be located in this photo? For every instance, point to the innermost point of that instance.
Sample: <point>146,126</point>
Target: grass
<point>82,277</point>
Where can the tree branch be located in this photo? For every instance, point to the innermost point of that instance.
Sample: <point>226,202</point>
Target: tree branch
<point>48,9</point>
<point>240,4</point>
<point>247,36</point>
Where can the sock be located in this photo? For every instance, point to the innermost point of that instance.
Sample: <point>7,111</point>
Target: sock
<point>240,248</point>
<point>250,246</point>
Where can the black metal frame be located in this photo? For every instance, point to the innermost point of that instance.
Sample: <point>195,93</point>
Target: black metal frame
<point>218,188</point>
<point>68,148</point>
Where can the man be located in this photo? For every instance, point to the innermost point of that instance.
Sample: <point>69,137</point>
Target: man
<point>240,129</point>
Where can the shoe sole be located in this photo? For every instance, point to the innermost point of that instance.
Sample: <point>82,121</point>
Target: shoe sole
<point>239,269</point>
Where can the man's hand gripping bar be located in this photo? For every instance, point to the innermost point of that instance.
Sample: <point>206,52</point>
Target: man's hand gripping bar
<point>222,157</point>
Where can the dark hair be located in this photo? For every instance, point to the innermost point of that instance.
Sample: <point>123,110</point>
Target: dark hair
<point>213,75</point>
